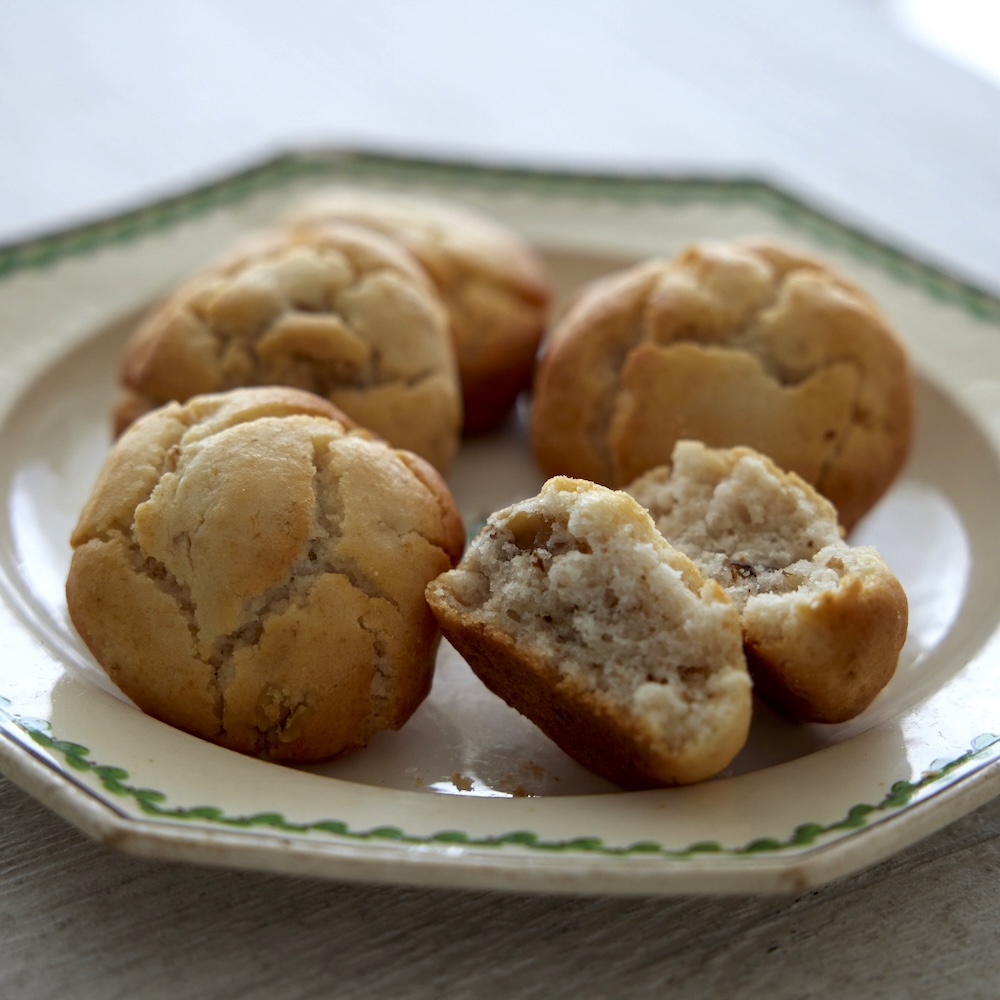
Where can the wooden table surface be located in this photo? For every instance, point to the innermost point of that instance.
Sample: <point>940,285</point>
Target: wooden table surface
<point>106,104</point>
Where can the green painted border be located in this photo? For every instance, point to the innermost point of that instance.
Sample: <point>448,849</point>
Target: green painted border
<point>156,804</point>
<point>44,251</point>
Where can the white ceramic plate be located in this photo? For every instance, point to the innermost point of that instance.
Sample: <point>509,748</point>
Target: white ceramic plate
<point>469,793</point>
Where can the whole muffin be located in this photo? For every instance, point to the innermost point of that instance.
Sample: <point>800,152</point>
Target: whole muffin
<point>337,310</point>
<point>745,343</point>
<point>250,568</point>
<point>492,282</point>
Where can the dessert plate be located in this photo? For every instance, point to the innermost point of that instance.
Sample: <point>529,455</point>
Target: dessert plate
<point>468,793</point>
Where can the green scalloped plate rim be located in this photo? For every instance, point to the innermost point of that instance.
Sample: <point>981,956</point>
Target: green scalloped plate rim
<point>155,804</point>
<point>44,251</point>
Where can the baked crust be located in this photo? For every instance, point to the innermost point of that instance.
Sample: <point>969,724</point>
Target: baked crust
<point>572,608</point>
<point>338,310</point>
<point>493,283</point>
<point>823,622</point>
<point>250,568</point>
<point>826,658</point>
<point>744,343</point>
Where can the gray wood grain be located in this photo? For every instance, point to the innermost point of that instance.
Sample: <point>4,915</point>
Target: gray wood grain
<point>922,924</point>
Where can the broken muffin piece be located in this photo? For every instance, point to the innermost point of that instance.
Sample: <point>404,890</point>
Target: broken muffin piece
<point>823,622</point>
<point>250,568</point>
<point>573,608</point>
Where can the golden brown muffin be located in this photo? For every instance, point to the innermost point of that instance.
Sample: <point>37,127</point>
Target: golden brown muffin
<point>823,622</point>
<point>339,310</point>
<point>492,282</point>
<point>744,343</point>
<point>572,608</point>
<point>251,569</point>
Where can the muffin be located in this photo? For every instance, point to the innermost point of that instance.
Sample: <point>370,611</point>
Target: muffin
<point>573,608</point>
<point>744,343</point>
<point>337,310</point>
<point>492,282</point>
<point>251,568</point>
<point>823,622</point>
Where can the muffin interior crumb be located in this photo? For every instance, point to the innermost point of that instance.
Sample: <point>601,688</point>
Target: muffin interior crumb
<point>745,524</point>
<point>594,594</point>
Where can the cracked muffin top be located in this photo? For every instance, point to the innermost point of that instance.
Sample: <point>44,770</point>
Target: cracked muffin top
<point>492,282</point>
<point>250,567</point>
<point>745,343</point>
<point>339,310</point>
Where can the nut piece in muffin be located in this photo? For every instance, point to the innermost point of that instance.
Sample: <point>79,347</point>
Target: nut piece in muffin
<point>823,622</point>
<point>493,283</point>
<point>573,608</point>
<point>744,343</point>
<point>337,310</point>
<point>251,569</point>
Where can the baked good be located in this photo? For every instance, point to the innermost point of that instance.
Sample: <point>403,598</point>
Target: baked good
<point>823,622</point>
<point>573,608</point>
<point>251,569</point>
<point>743,343</point>
<point>339,310</point>
<point>492,282</point>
